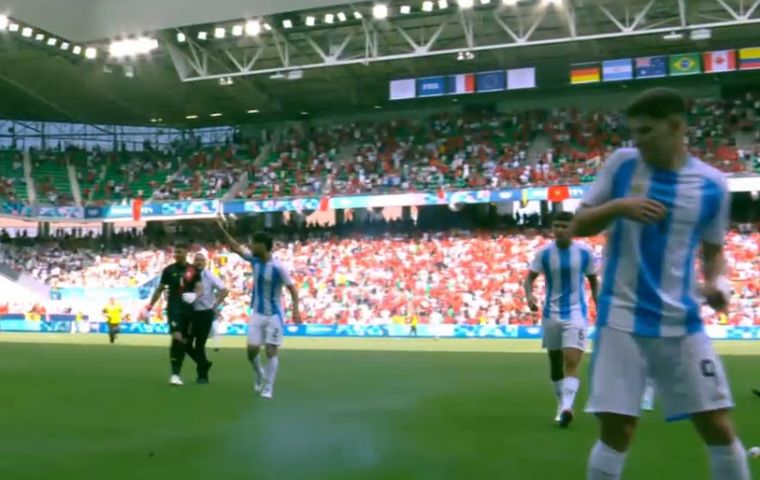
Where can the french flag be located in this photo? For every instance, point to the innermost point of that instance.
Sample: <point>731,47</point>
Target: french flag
<point>459,84</point>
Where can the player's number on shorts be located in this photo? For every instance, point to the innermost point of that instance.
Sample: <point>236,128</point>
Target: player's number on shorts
<point>275,334</point>
<point>708,368</point>
<point>581,335</point>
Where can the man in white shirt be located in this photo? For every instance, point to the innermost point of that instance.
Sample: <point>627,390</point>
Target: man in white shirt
<point>211,294</point>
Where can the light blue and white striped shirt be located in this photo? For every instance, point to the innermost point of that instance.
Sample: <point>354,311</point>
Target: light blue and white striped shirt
<point>565,271</point>
<point>268,280</point>
<point>649,279</point>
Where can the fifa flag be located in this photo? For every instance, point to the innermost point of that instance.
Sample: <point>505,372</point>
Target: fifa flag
<point>685,64</point>
<point>558,193</point>
<point>519,78</point>
<point>586,73</point>
<point>651,67</point>
<point>617,70</point>
<point>749,58</point>
<point>431,86</point>
<point>719,61</point>
<point>460,84</point>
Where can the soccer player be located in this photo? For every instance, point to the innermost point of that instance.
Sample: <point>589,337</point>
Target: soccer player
<point>266,326</point>
<point>113,313</point>
<point>565,265</point>
<point>182,282</point>
<point>211,294</point>
<point>659,205</point>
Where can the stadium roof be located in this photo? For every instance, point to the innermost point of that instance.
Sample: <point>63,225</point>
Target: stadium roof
<point>341,62</point>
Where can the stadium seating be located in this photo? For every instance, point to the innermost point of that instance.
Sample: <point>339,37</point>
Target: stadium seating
<point>470,278</point>
<point>12,182</point>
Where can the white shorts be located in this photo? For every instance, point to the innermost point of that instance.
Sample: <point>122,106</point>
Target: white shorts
<point>560,335</point>
<point>265,330</point>
<point>687,373</point>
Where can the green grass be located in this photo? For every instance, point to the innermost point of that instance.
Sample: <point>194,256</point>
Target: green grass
<point>73,407</point>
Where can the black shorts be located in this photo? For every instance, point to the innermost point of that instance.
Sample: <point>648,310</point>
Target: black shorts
<point>179,320</point>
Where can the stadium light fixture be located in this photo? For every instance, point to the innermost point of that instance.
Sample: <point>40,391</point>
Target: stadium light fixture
<point>427,6</point>
<point>77,50</point>
<point>485,2</point>
<point>466,4</point>
<point>358,15</point>
<point>191,117</point>
<point>181,37</point>
<point>253,110</point>
<point>342,17</point>
<point>237,30</point>
<point>267,27</point>
<point>52,42</point>
<point>329,18</point>
<point>202,35</point>
<point>310,21</point>
<point>443,4</point>
<point>91,53</point>
<point>380,11</point>
<point>252,28</point>
<point>27,32</point>
<point>287,23</point>
<point>4,22</point>
<point>65,45</point>
<point>132,47</point>
<point>39,37</point>
<point>219,33</point>
<point>14,27</point>
<point>509,3</point>
<point>405,9</point>
<point>215,115</point>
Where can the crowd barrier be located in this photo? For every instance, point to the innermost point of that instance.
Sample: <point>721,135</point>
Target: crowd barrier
<point>67,324</point>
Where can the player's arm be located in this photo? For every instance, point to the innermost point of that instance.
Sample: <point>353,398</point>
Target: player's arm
<point>536,267</point>
<point>287,280</point>
<point>599,209</point>
<point>593,282</point>
<point>713,261</point>
<point>233,244</point>
<point>158,292</point>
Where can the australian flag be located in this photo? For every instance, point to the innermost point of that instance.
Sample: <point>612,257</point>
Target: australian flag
<point>651,67</point>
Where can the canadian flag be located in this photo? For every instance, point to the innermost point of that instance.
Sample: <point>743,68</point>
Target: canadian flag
<point>720,61</point>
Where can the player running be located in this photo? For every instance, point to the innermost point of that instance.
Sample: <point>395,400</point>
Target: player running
<point>266,324</point>
<point>660,205</point>
<point>564,264</point>
<point>113,312</point>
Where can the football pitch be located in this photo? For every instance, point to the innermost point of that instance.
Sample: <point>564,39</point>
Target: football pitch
<point>75,407</point>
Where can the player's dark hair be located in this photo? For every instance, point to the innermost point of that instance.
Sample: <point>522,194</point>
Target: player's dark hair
<point>564,217</point>
<point>657,103</point>
<point>265,239</point>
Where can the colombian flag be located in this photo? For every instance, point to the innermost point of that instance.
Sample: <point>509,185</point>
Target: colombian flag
<point>585,74</point>
<point>749,58</point>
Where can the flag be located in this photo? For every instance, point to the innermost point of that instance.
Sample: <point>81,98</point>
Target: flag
<point>458,84</point>
<point>441,194</point>
<point>616,70</point>
<point>558,193</point>
<point>518,78</point>
<point>651,67</point>
<point>491,81</point>
<point>524,197</point>
<point>584,74</point>
<point>137,204</point>
<point>403,89</point>
<point>749,58</point>
<point>719,61</point>
<point>324,203</point>
<point>684,64</point>
<point>431,86</point>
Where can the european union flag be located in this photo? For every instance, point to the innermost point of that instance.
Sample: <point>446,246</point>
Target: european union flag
<point>491,81</point>
<point>651,67</point>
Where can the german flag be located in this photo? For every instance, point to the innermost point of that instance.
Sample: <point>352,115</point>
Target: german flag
<point>586,73</point>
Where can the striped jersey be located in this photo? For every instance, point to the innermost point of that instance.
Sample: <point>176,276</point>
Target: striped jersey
<point>649,279</point>
<point>565,271</point>
<point>268,280</point>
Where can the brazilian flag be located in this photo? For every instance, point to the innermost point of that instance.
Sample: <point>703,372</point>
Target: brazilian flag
<point>685,64</point>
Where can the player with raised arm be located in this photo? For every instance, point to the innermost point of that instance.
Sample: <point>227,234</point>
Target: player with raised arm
<point>265,327</point>
<point>565,265</point>
<point>659,204</point>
